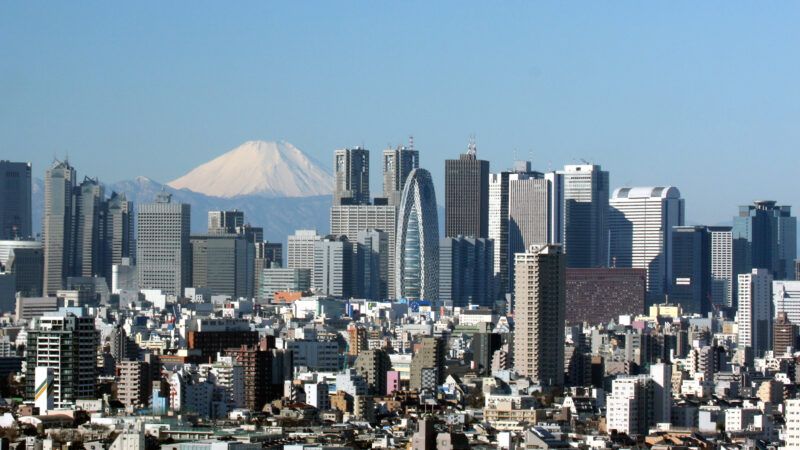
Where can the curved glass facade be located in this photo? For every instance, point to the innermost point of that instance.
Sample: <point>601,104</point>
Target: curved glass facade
<point>417,245</point>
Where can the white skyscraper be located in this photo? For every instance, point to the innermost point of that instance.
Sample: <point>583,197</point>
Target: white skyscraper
<point>585,215</point>
<point>721,266</point>
<point>163,252</point>
<point>754,317</point>
<point>300,250</point>
<point>640,232</point>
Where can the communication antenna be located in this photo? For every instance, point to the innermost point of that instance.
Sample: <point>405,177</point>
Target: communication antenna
<point>472,149</point>
<point>411,142</point>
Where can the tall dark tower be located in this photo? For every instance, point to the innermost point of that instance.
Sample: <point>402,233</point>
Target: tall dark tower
<point>398,163</point>
<point>466,195</point>
<point>351,176</point>
<point>15,207</point>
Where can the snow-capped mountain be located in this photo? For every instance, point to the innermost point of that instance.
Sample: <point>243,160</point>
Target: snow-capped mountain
<point>266,169</point>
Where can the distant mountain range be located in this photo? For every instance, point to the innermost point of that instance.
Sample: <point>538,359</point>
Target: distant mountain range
<point>277,186</point>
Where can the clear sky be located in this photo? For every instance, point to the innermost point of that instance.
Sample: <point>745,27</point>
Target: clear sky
<point>701,95</point>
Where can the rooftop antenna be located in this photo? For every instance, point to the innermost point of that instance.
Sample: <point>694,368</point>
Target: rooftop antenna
<point>411,142</point>
<point>472,149</point>
<point>585,161</point>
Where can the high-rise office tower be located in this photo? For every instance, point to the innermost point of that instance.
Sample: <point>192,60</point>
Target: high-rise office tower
<point>498,224</point>
<point>117,232</point>
<point>58,225</point>
<point>754,318</point>
<point>27,265</point>
<point>397,165</point>
<point>721,266</point>
<point>466,195</point>
<point>417,247</point>
<point>539,314</point>
<point>427,366</point>
<point>351,176</point>
<point>765,236</point>
<point>225,221</point>
<point>690,284</point>
<point>640,225</point>
<point>163,252</point>
<point>300,250</point>
<point>465,271</point>
<point>333,267</point>
<point>372,275</point>
<point>268,255</point>
<point>221,264</point>
<point>89,224</point>
<point>586,215</point>
<point>15,209</point>
<point>350,220</point>
<point>67,344</point>
<point>535,212</point>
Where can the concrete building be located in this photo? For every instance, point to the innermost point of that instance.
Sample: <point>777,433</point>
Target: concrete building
<point>754,317</point>
<point>466,195</point>
<point>15,209</point>
<point>690,282</point>
<point>398,163</point>
<point>417,246</point>
<point>601,295</point>
<point>334,267</point>
<point>784,335</point>
<point>90,213</point>
<point>225,221</point>
<point>221,263</point>
<point>372,273</point>
<point>465,276</point>
<point>640,232</point>
<point>539,314</point>
<point>586,191</point>
<point>373,365</point>
<point>722,283</point>
<point>67,344</point>
<point>765,236</point>
<point>351,176</point>
<point>26,262</point>
<point>284,280</point>
<point>786,298</point>
<point>792,419</point>
<point>117,233</point>
<point>427,366</point>
<point>300,250</point>
<point>163,250</point>
<point>58,225</point>
<point>133,383</point>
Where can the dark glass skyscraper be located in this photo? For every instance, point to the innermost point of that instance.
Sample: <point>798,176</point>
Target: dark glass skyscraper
<point>15,200</point>
<point>465,275</point>
<point>351,176</point>
<point>765,237</point>
<point>466,195</point>
<point>690,283</point>
<point>586,215</point>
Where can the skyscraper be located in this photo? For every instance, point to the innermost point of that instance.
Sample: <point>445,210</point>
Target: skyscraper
<point>162,248</point>
<point>754,318</point>
<point>221,264</point>
<point>372,274</point>
<point>640,232</point>
<point>466,195</point>
<point>765,236</point>
<point>300,250</point>
<point>225,221</point>
<point>397,165</point>
<point>417,246</point>
<point>333,267</point>
<point>57,227</point>
<point>351,176</point>
<point>690,284</point>
<point>465,275</point>
<point>89,224</point>
<point>15,209</point>
<point>586,190</point>
<point>539,314</point>
<point>498,224</point>
<point>721,266</point>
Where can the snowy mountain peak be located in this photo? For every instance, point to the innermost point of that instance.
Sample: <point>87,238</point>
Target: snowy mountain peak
<point>269,169</point>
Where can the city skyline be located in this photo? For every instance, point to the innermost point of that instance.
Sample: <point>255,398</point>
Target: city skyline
<point>683,104</point>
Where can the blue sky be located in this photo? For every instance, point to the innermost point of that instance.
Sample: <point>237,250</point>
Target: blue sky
<point>701,95</point>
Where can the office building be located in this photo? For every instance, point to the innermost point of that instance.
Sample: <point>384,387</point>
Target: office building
<point>786,298</point>
<point>15,209</point>
<point>372,273</point>
<point>784,335</point>
<point>221,264</point>
<point>397,165</point>
<point>350,220</point>
<point>539,314</point>
<point>427,366</point>
<point>117,235</point>
<point>225,221</point>
<point>334,264</point>
<point>300,250</point>
<point>722,285</point>
<point>8,288</point>
<point>600,295</point>
<point>89,221</point>
<point>498,224</point>
<point>690,284</point>
<point>754,318</point>
<point>163,251</point>
<point>465,271</point>
<point>211,336</point>
<point>351,176</point>
<point>67,344</point>
<point>640,232</point>
<point>466,195</point>
<point>586,191</point>
<point>417,246</point>
<point>25,259</point>
<point>284,280</point>
<point>58,225</point>
<point>765,236</point>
